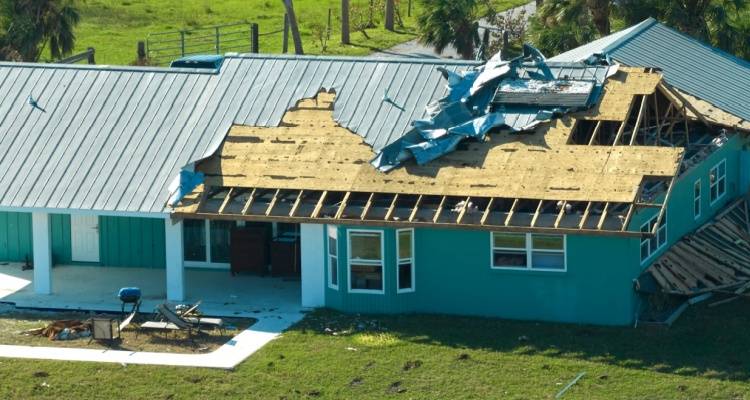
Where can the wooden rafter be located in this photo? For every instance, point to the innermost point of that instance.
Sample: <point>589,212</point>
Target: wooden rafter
<point>510,212</point>
<point>319,205</point>
<point>439,210</point>
<point>249,202</point>
<point>638,120</point>
<point>273,201</point>
<point>560,214</point>
<point>368,205</point>
<point>414,210</point>
<point>227,200</point>
<point>391,208</point>
<point>343,205</point>
<point>585,215</point>
<point>462,212</point>
<point>603,217</point>
<point>487,211</point>
<point>536,213</point>
<point>596,132</point>
<point>296,204</point>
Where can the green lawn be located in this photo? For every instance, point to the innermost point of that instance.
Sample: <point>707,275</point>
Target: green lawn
<point>703,356</point>
<point>113,27</point>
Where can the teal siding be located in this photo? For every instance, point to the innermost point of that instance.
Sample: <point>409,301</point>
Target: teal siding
<point>15,236</point>
<point>60,238</point>
<point>453,276</point>
<point>132,242</point>
<point>680,217</point>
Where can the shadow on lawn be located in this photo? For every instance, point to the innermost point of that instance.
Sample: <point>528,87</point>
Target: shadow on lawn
<point>707,342</point>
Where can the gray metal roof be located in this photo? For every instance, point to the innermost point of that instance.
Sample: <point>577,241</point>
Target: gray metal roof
<point>113,138</point>
<point>688,64</point>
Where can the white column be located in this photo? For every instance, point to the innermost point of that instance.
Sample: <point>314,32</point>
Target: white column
<point>175,269</point>
<point>312,238</point>
<point>42,249</point>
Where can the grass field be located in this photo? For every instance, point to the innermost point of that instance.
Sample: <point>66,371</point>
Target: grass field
<point>113,27</point>
<point>703,356</point>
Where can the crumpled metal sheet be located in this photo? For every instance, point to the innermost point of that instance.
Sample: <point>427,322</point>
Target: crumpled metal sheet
<point>470,109</point>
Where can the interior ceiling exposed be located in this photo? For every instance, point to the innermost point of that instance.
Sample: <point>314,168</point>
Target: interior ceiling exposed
<point>544,179</point>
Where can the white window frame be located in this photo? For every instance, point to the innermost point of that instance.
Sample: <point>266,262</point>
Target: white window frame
<point>349,260</point>
<point>697,199</point>
<point>714,172</point>
<point>207,263</point>
<point>400,261</point>
<point>529,253</point>
<point>332,231</point>
<point>648,238</point>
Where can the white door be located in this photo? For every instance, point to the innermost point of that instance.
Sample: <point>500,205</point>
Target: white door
<point>84,238</point>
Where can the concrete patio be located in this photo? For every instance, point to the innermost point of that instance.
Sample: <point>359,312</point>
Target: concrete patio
<point>274,302</point>
<point>95,288</point>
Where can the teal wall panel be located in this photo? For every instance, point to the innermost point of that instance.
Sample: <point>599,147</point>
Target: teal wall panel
<point>453,276</point>
<point>60,238</point>
<point>15,236</point>
<point>132,242</point>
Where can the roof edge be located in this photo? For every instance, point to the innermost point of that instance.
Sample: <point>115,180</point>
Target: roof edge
<point>368,58</point>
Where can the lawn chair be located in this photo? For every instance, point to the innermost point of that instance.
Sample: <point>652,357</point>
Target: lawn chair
<point>197,322</point>
<point>170,325</point>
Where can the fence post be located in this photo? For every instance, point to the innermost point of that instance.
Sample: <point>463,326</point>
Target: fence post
<point>254,38</point>
<point>141,52</point>
<point>408,9</point>
<point>182,43</point>
<point>91,60</point>
<point>285,41</point>
<point>217,41</point>
<point>328,29</point>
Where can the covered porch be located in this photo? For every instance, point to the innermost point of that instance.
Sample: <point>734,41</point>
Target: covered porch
<point>77,287</point>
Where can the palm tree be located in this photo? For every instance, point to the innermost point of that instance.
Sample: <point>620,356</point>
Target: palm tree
<point>35,24</point>
<point>449,22</point>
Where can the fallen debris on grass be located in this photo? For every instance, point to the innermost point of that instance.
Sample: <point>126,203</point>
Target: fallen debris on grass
<point>62,330</point>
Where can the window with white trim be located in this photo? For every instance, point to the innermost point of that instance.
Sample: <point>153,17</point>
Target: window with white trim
<point>528,251</point>
<point>650,244</point>
<point>333,258</point>
<point>697,199</point>
<point>365,261</point>
<point>405,260</point>
<point>718,179</point>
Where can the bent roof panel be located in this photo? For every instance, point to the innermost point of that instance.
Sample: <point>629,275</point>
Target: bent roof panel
<point>688,64</point>
<point>113,138</point>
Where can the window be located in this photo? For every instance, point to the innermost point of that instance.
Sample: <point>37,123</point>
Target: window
<point>206,243</point>
<point>718,179</point>
<point>528,251</point>
<point>333,258</point>
<point>697,199</point>
<point>366,261</point>
<point>651,243</point>
<point>405,262</point>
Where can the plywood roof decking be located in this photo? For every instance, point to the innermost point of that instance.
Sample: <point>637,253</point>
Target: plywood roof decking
<point>310,151</point>
<point>619,93</point>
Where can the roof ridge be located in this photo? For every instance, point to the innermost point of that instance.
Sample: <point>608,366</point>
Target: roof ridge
<point>636,30</point>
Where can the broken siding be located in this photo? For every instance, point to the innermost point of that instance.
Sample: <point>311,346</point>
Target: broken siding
<point>113,139</point>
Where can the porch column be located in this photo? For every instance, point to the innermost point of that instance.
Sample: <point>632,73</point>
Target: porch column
<point>42,250</point>
<point>175,268</point>
<point>312,239</point>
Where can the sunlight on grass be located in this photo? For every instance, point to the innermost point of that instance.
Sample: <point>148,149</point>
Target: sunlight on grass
<point>380,339</point>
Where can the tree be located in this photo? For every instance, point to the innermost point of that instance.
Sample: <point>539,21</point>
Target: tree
<point>389,14</point>
<point>294,27</point>
<point>450,22</point>
<point>32,25</point>
<point>345,22</point>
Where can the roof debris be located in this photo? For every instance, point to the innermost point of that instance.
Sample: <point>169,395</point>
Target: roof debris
<point>515,94</point>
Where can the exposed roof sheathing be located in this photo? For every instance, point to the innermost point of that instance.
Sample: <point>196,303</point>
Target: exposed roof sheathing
<point>310,151</point>
<point>688,64</point>
<point>114,138</point>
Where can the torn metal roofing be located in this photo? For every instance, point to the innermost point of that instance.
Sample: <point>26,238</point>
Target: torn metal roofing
<point>113,138</point>
<point>515,94</point>
<point>687,63</point>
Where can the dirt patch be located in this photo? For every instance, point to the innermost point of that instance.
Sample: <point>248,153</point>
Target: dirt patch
<point>13,323</point>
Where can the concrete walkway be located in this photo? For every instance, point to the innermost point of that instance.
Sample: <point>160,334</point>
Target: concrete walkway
<point>414,48</point>
<point>228,356</point>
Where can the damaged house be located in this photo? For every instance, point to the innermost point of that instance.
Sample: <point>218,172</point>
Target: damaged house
<point>561,189</point>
